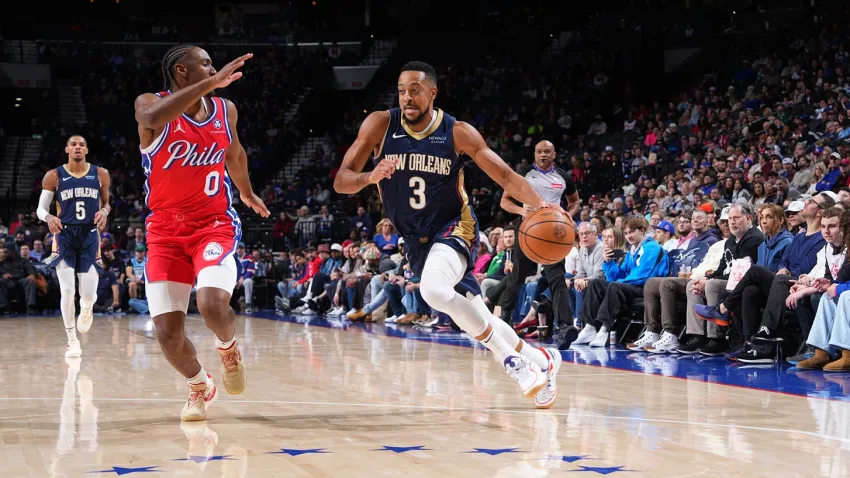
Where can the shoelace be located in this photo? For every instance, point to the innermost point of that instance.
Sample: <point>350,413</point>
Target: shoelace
<point>519,371</point>
<point>230,358</point>
<point>196,396</point>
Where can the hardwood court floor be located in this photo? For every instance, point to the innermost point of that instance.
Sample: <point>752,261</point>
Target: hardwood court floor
<point>376,401</point>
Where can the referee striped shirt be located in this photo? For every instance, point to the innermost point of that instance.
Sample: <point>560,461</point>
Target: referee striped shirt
<point>551,185</point>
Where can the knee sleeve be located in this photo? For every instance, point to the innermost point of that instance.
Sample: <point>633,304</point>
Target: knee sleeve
<point>443,269</point>
<point>222,276</point>
<point>67,279</point>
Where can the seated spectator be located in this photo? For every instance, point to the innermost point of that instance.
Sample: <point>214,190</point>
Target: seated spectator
<point>386,238</point>
<point>17,278</point>
<point>830,334</point>
<point>776,236</point>
<point>705,337</point>
<point>606,297</point>
<point>661,295</point>
<point>108,293</point>
<point>136,272</point>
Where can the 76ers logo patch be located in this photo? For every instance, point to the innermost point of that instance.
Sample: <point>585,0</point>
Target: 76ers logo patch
<point>217,124</point>
<point>213,251</point>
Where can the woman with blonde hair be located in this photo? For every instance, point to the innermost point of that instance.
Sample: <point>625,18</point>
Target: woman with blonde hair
<point>386,238</point>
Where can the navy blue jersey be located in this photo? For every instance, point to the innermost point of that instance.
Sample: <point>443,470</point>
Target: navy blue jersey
<point>426,192</point>
<point>77,199</point>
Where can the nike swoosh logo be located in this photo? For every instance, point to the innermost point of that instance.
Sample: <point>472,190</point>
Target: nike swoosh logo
<point>65,179</point>
<point>93,230</point>
<point>395,136</point>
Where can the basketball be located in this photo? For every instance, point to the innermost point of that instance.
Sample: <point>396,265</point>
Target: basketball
<point>547,236</point>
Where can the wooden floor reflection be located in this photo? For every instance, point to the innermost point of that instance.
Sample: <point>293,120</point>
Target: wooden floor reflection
<point>330,402</point>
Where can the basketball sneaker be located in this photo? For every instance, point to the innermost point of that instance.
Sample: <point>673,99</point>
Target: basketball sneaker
<point>200,398</point>
<point>545,398</point>
<point>526,373</point>
<point>234,377</point>
<point>85,319</point>
<point>74,350</point>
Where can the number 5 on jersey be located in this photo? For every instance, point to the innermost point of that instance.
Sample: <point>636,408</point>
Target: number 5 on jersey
<point>81,210</point>
<point>417,201</point>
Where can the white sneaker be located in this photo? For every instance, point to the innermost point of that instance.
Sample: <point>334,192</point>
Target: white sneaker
<point>85,319</point>
<point>308,311</point>
<point>587,334</point>
<point>390,320</point>
<point>74,350</point>
<point>646,339</point>
<point>336,312</point>
<point>299,309</point>
<point>545,398</point>
<point>200,398</point>
<point>601,338</point>
<point>526,373</point>
<point>666,344</point>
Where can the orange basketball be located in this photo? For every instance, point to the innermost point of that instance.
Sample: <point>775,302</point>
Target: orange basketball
<point>546,236</point>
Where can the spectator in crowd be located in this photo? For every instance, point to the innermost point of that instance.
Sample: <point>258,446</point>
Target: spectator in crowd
<point>624,282</point>
<point>705,337</point>
<point>17,278</point>
<point>776,236</point>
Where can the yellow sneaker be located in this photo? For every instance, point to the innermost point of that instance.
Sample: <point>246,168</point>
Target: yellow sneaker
<point>234,376</point>
<point>200,399</point>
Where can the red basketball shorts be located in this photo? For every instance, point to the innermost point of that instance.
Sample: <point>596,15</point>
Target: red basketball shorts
<point>180,247</point>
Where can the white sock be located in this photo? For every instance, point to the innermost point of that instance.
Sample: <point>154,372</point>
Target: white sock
<point>225,345</point>
<point>67,283</point>
<point>88,288</point>
<point>496,344</point>
<point>507,333</point>
<point>72,334</point>
<point>200,378</point>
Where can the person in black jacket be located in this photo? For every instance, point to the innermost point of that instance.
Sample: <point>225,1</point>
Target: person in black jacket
<point>16,276</point>
<point>706,338</point>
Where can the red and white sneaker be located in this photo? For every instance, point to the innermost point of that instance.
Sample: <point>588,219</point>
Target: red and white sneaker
<point>234,376</point>
<point>545,398</point>
<point>526,373</point>
<point>200,398</point>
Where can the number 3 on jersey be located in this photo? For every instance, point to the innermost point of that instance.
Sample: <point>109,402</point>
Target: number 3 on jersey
<point>418,199</point>
<point>212,183</point>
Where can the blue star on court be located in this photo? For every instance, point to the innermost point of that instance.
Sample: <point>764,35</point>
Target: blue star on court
<point>120,470</point>
<point>403,449</point>
<point>601,469</point>
<point>204,459</point>
<point>493,451</point>
<point>569,459</point>
<point>297,452</point>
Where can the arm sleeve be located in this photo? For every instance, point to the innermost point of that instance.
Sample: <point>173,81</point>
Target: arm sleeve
<point>44,204</point>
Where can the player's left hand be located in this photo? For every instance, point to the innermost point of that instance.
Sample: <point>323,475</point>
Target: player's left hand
<point>100,220</point>
<point>254,202</point>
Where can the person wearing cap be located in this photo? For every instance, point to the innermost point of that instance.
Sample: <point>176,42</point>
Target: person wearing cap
<point>844,178</point>
<point>136,271</point>
<point>661,295</point>
<point>664,235</point>
<point>830,179</point>
<point>792,216</point>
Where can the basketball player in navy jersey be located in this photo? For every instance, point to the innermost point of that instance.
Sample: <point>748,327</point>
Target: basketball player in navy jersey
<point>81,191</point>
<point>419,173</point>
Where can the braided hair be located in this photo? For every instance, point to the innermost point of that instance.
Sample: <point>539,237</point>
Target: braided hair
<point>172,57</point>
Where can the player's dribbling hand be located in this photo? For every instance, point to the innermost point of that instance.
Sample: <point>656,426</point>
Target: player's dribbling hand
<point>254,202</point>
<point>100,221</point>
<point>556,207</point>
<point>384,170</point>
<point>228,74</point>
<point>54,225</point>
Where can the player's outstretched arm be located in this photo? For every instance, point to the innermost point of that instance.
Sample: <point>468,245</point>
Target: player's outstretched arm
<point>468,140</point>
<point>48,189</point>
<point>350,179</point>
<point>236,160</point>
<point>153,112</point>
<point>101,215</point>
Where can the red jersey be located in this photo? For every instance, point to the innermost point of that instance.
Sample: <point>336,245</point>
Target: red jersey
<point>185,166</point>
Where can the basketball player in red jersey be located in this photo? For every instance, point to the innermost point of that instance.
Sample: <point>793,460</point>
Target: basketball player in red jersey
<point>187,136</point>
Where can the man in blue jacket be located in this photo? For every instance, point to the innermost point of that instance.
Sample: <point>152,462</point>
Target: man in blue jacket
<point>661,294</point>
<point>604,298</point>
<point>751,293</point>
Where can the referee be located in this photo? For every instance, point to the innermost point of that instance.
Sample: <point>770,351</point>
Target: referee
<point>553,185</point>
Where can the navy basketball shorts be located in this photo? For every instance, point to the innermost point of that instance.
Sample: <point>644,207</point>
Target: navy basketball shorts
<point>79,247</point>
<point>419,247</point>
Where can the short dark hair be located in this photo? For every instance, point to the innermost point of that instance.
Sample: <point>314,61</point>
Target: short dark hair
<point>634,223</point>
<point>832,212</point>
<point>509,228</point>
<point>430,73</point>
<point>75,136</point>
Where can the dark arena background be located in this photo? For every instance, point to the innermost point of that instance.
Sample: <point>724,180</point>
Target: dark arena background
<point>698,327</point>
